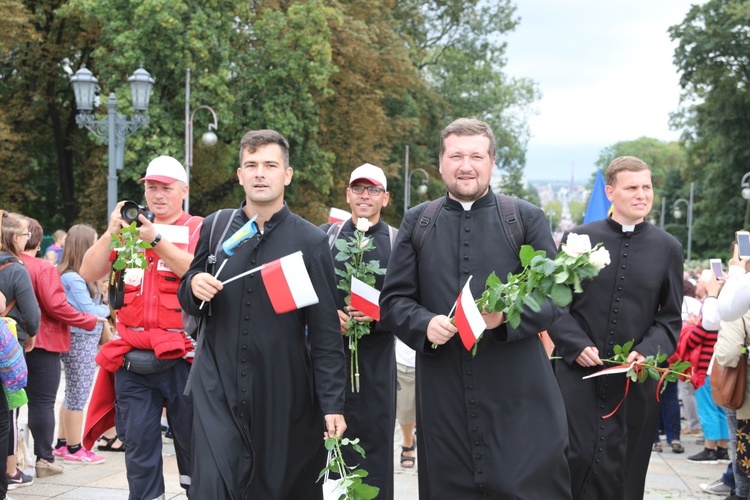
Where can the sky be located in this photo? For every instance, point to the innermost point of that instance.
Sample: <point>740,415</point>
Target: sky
<point>605,72</point>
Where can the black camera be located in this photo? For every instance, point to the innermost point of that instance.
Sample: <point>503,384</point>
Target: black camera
<point>131,210</point>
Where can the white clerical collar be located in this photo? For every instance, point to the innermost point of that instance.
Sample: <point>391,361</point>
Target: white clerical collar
<point>467,205</point>
<point>628,229</point>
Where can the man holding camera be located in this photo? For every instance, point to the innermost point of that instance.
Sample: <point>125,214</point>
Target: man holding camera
<point>150,312</point>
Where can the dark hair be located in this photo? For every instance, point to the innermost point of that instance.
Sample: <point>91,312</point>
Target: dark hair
<point>37,233</point>
<point>81,237</point>
<point>254,139</point>
<point>468,126</point>
<point>10,227</point>
<point>688,288</point>
<point>624,163</point>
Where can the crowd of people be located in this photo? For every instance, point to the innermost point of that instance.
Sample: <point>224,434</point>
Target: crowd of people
<point>240,326</point>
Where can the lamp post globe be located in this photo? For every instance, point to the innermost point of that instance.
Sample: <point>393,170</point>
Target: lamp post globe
<point>746,193</point>
<point>209,138</point>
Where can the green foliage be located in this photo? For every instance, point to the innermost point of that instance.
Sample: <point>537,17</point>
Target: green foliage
<point>712,56</point>
<point>129,248</point>
<point>650,367</point>
<point>350,477</point>
<point>345,82</point>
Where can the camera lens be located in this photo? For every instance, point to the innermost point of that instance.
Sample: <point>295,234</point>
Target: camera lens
<point>129,211</point>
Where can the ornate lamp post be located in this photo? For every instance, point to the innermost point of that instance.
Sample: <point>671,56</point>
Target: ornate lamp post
<point>115,128</point>
<point>209,137</point>
<point>422,189</point>
<point>678,215</point>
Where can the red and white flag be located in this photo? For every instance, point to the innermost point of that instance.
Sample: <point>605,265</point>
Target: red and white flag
<point>288,284</point>
<point>468,318</point>
<point>338,215</point>
<point>365,298</point>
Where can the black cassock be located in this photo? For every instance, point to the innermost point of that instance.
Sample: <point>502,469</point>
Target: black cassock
<point>371,413</point>
<point>492,426</point>
<point>260,388</point>
<point>636,297</point>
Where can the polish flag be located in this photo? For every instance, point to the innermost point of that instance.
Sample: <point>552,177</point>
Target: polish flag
<point>338,215</point>
<point>365,298</point>
<point>288,284</point>
<point>468,319</point>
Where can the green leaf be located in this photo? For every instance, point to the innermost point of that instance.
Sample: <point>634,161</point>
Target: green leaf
<point>119,265</point>
<point>532,303</point>
<point>367,492</point>
<point>561,295</point>
<point>526,254</point>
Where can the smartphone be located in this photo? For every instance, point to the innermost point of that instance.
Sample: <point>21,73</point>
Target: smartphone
<point>743,244</point>
<point>716,268</point>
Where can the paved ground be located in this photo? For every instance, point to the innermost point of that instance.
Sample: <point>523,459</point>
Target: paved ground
<point>670,476</point>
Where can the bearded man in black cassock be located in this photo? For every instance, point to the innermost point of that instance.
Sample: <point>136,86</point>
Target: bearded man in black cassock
<point>489,426</point>
<point>637,297</point>
<point>370,412</point>
<point>264,392</point>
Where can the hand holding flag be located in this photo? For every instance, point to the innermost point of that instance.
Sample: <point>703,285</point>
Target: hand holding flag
<point>247,231</point>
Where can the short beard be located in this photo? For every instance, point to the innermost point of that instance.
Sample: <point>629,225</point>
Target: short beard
<point>467,197</point>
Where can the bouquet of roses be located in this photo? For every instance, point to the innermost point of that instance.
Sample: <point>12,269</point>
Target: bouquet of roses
<point>350,485</point>
<point>543,278</point>
<point>352,253</point>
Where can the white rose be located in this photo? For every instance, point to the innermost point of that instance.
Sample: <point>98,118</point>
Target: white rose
<point>133,277</point>
<point>576,244</point>
<point>599,258</point>
<point>363,224</point>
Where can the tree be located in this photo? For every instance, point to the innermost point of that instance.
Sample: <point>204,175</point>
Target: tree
<point>713,57</point>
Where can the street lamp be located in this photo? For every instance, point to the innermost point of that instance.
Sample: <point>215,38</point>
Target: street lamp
<point>422,189</point>
<point>209,137</point>
<point>661,213</point>
<point>115,128</point>
<point>678,215</point>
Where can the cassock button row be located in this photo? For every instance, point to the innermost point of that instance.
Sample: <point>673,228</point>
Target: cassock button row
<point>467,229</point>
<point>248,303</point>
<point>249,290</point>
<point>474,429</point>
<point>471,387</point>
<point>247,317</point>
<point>243,373</point>
<point>473,415</point>
<point>471,401</point>
<point>622,277</point>
<point>243,360</point>
<point>602,407</point>
<point>244,332</point>
<point>466,271</point>
<point>602,427</point>
<point>478,456</point>
<point>252,261</point>
<point>479,471</point>
<point>468,373</point>
<point>617,299</point>
<point>601,438</point>
<point>242,414</point>
<point>627,244</point>
<point>244,346</point>
<point>619,288</point>
<point>242,402</point>
<point>476,443</point>
<point>623,267</point>
<point>611,343</point>
<point>466,243</point>
<point>624,255</point>
<point>615,311</point>
<point>244,389</point>
<point>468,216</point>
<point>466,257</point>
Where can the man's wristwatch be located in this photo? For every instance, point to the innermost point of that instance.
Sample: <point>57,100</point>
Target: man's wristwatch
<point>156,240</point>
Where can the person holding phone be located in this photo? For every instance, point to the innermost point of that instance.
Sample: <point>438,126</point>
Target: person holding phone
<point>734,300</point>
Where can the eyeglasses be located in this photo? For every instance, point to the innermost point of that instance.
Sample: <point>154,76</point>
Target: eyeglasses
<point>28,234</point>
<point>372,190</point>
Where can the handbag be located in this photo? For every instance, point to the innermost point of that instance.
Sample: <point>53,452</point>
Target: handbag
<point>728,383</point>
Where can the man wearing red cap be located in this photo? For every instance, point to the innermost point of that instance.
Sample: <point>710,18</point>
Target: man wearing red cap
<point>370,412</point>
<point>150,310</point>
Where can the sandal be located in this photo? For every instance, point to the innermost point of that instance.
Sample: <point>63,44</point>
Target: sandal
<point>406,461</point>
<point>677,447</point>
<point>109,446</point>
<point>657,448</point>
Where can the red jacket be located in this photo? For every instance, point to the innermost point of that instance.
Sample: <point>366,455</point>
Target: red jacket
<point>57,314</point>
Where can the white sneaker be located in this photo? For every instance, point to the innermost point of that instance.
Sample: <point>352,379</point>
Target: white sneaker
<point>716,488</point>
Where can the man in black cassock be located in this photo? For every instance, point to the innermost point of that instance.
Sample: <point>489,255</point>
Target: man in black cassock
<point>637,297</point>
<point>263,392</point>
<point>370,412</point>
<point>489,426</point>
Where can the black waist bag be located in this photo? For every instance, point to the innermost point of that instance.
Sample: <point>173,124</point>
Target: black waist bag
<point>145,362</point>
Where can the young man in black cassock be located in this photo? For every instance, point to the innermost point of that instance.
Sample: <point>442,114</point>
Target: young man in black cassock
<point>370,412</point>
<point>637,297</point>
<point>264,393</point>
<point>489,426</point>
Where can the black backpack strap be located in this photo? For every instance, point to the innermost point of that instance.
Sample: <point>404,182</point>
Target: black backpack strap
<point>333,233</point>
<point>227,217</point>
<point>512,223</point>
<point>427,219</point>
